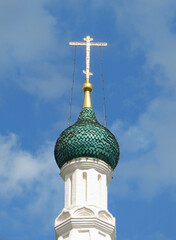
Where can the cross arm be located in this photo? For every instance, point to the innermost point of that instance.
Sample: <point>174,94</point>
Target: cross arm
<point>98,44</point>
<point>84,43</point>
<point>77,43</point>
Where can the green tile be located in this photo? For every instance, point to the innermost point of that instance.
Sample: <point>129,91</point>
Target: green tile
<point>87,138</point>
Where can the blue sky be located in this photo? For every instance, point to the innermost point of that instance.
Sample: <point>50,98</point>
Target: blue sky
<point>36,65</point>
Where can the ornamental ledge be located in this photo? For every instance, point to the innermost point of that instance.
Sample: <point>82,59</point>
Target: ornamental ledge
<point>84,211</point>
<point>82,223</point>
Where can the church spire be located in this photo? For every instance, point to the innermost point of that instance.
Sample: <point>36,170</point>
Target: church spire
<point>87,86</point>
<point>86,153</point>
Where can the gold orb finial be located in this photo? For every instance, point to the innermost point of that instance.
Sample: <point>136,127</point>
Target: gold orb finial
<point>87,89</point>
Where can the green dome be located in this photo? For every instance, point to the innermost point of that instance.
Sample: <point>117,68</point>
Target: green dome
<point>87,138</point>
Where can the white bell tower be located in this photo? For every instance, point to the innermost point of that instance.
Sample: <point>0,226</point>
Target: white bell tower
<point>86,154</point>
<point>85,215</point>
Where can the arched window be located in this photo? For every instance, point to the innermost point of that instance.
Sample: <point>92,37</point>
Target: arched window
<point>99,188</point>
<point>84,186</point>
<point>71,190</point>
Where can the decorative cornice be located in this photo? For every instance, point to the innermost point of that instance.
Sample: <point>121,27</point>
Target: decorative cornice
<point>87,163</point>
<point>84,211</point>
<point>89,222</point>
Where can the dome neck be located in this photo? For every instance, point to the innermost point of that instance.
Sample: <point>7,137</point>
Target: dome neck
<point>87,89</point>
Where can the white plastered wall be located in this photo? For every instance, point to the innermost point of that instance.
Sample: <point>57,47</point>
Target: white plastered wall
<point>87,187</point>
<point>85,214</point>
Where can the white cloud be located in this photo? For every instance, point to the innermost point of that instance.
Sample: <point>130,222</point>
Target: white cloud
<point>18,167</point>
<point>148,151</point>
<point>21,174</point>
<point>45,82</point>
<point>31,46</point>
<point>27,29</point>
<point>149,26</point>
<point>147,165</point>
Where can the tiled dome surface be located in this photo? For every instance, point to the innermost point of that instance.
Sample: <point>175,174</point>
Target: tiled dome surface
<point>87,138</point>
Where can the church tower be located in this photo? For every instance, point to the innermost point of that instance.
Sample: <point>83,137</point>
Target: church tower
<point>86,154</point>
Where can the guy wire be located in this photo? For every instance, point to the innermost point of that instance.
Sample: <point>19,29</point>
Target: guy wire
<point>104,106</point>
<point>71,94</point>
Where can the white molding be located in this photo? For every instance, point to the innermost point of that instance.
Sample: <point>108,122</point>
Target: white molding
<point>85,223</point>
<point>87,163</point>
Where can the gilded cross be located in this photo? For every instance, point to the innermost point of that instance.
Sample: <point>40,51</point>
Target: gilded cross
<point>87,43</point>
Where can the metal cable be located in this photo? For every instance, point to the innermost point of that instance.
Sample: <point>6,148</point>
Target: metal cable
<point>71,94</point>
<point>104,106</point>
